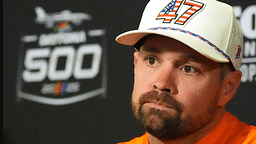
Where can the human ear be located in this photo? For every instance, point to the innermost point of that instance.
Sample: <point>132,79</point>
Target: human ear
<point>136,56</point>
<point>230,85</point>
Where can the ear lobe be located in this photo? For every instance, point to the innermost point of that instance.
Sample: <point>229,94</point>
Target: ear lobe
<point>230,85</point>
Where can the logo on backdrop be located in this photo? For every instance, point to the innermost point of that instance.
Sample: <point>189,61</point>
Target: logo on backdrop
<point>62,61</point>
<point>247,20</point>
<point>188,9</point>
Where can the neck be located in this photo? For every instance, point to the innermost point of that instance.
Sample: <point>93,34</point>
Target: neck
<point>194,137</point>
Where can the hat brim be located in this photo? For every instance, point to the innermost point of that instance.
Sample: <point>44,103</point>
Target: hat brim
<point>196,42</point>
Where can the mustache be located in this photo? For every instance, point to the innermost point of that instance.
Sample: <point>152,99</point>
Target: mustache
<point>161,97</point>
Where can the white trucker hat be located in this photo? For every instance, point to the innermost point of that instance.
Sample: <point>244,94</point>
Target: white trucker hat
<point>207,26</point>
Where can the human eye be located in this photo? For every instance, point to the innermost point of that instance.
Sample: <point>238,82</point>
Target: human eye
<point>190,70</point>
<point>151,61</point>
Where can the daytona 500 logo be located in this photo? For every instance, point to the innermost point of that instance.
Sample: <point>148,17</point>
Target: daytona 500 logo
<point>65,65</point>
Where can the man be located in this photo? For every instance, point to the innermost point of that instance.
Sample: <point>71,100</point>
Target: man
<point>186,66</point>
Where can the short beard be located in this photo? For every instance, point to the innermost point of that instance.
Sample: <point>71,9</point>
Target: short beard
<point>164,125</point>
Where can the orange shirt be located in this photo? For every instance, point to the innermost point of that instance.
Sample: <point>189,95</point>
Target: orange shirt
<point>229,131</point>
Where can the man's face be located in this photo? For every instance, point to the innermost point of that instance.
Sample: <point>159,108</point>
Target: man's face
<point>176,89</point>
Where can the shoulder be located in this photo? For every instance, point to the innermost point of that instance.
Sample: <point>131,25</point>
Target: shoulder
<point>229,131</point>
<point>249,132</point>
<point>240,131</point>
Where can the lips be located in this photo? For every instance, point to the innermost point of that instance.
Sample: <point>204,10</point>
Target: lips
<point>164,104</point>
<point>159,104</point>
<point>161,99</point>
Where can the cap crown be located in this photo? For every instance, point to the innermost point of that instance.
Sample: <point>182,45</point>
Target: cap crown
<point>207,26</point>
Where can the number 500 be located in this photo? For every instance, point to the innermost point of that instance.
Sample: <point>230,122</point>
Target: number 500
<point>37,67</point>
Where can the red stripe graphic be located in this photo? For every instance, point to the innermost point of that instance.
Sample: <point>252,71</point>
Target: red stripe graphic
<point>196,5</point>
<point>169,12</point>
<point>180,21</point>
<point>185,17</point>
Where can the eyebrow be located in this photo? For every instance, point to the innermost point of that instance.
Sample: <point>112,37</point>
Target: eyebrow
<point>192,57</point>
<point>151,49</point>
<point>187,56</point>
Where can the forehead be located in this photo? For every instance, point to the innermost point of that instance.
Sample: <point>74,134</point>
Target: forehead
<point>161,44</point>
<point>158,43</point>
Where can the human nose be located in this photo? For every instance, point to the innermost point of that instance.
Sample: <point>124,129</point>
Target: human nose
<point>166,80</point>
